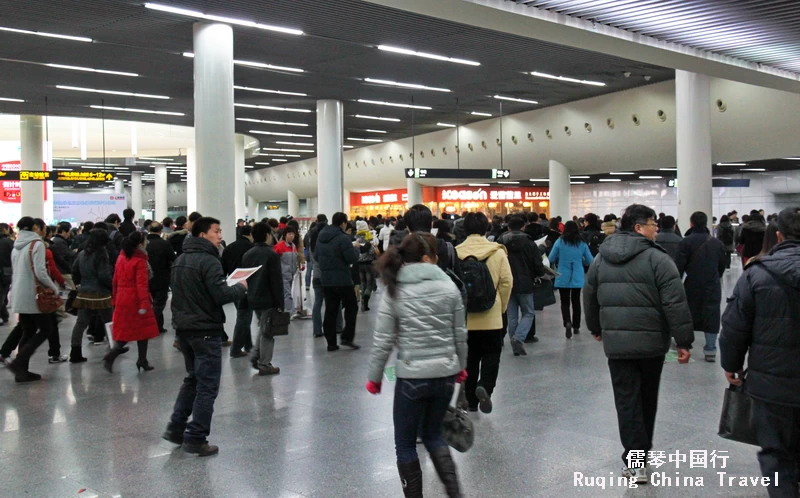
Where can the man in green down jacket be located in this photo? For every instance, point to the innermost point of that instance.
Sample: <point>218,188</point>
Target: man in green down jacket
<point>634,301</point>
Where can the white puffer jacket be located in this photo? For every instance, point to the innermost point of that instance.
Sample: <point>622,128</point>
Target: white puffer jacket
<point>427,323</point>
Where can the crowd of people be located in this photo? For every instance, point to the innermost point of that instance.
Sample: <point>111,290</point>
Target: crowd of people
<point>451,290</point>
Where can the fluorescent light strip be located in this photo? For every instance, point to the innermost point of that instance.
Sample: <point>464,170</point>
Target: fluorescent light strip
<point>731,164</point>
<point>478,184</point>
<point>566,79</point>
<point>9,99</point>
<point>347,146</point>
<point>142,111</point>
<point>375,131</point>
<point>266,121</point>
<point>667,169</point>
<point>287,150</point>
<point>48,35</point>
<point>264,90</point>
<point>405,85</point>
<point>539,180</point>
<point>280,160</point>
<point>752,169</point>
<point>426,55</point>
<point>476,113</point>
<point>156,158</point>
<point>394,104</point>
<point>514,99</point>
<point>651,177</point>
<point>229,20</point>
<point>263,164</point>
<point>577,183</point>
<point>610,180</point>
<point>579,177</point>
<point>280,134</point>
<point>280,155</point>
<point>300,144</point>
<point>446,125</point>
<point>91,70</point>
<point>249,167</point>
<point>509,183</point>
<point>112,92</point>
<point>792,158</point>
<point>362,116</point>
<point>257,64</point>
<point>272,108</point>
<point>621,173</point>
<point>356,139</point>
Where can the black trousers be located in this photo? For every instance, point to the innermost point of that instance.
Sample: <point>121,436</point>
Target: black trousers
<point>573,295</point>
<point>778,433</point>
<point>5,284</point>
<point>334,297</point>
<point>36,328</point>
<point>635,384</point>
<point>159,303</point>
<point>14,339</point>
<point>483,361</point>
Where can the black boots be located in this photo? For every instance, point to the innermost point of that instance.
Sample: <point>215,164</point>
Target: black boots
<point>446,469</point>
<point>411,479</point>
<point>108,360</point>
<point>76,355</point>
<point>365,304</point>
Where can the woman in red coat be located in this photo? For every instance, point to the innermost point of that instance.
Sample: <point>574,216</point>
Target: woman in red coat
<point>134,319</point>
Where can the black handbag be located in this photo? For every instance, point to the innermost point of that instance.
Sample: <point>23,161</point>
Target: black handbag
<point>276,322</point>
<point>543,292</point>
<point>736,420</point>
<point>457,427</point>
<point>69,304</point>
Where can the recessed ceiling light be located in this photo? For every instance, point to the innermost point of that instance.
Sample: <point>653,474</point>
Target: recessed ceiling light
<point>577,183</point>
<point>48,35</point>
<point>650,177</point>
<point>394,104</point>
<point>568,80</point>
<point>792,158</point>
<point>301,144</point>
<point>478,184</point>
<point>405,85</point>
<point>267,121</point>
<point>620,173</point>
<point>111,92</point>
<point>514,99</point>
<point>376,131</point>
<point>156,158</point>
<point>446,125</point>
<point>667,169</point>
<point>273,108</point>
<point>91,70</point>
<point>476,113</point>
<point>265,90</point>
<point>9,99</point>
<point>281,134</point>
<point>257,64</point>
<point>263,164</point>
<point>752,169</point>
<point>355,139</point>
<point>580,177</point>
<point>610,180</point>
<point>229,20</point>
<point>377,118</point>
<point>143,111</point>
<point>539,180</point>
<point>249,167</point>
<point>426,55</point>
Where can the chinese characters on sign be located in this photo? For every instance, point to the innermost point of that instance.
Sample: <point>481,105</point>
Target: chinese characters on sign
<point>492,194</point>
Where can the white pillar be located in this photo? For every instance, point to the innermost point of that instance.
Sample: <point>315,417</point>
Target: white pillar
<point>31,158</point>
<point>293,207</point>
<point>160,188</point>
<point>119,186</point>
<point>346,202</point>
<point>191,180</point>
<point>559,191</point>
<point>693,140</point>
<point>330,138</point>
<point>239,195</point>
<point>214,173</point>
<point>252,207</point>
<point>414,192</point>
<point>136,194</point>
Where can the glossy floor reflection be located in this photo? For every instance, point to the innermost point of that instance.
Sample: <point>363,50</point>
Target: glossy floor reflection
<point>314,431</point>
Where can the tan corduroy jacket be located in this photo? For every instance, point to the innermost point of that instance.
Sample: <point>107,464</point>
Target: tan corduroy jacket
<point>497,261</point>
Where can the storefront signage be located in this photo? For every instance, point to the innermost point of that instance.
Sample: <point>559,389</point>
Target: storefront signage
<point>372,198</point>
<point>466,174</point>
<point>491,194</point>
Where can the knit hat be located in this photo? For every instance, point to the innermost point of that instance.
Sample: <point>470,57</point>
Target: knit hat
<point>361,225</point>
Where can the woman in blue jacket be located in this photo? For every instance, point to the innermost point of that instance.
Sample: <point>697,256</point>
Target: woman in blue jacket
<point>571,254</point>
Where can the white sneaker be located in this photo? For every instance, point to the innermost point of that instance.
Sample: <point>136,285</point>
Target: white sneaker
<point>640,475</point>
<point>58,359</point>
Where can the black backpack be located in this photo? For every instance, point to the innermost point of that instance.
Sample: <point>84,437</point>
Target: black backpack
<point>481,292</point>
<point>594,241</point>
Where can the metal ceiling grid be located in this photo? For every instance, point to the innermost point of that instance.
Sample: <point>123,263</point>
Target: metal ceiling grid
<point>761,31</point>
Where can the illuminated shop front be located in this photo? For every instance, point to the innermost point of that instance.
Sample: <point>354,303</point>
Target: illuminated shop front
<point>491,200</point>
<point>386,203</point>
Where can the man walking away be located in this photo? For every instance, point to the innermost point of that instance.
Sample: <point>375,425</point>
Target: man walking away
<point>160,256</point>
<point>525,261</point>
<point>335,254</point>
<point>6,246</point>
<point>264,293</point>
<point>762,318</point>
<point>127,227</point>
<point>199,292</point>
<point>667,238</point>
<point>62,254</point>
<point>634,300</point>
<point>702,258</point>
<point>231,260</point>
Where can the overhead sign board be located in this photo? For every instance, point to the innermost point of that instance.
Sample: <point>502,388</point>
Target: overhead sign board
<point>58,176</point>
<point>465,174</point>
<point>491,194</point>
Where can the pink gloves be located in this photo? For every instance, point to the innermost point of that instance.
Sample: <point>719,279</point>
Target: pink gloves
<point>461,376</point>
<point>373,387</point>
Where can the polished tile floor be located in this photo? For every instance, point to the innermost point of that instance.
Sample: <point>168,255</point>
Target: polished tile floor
<point>314,431</point>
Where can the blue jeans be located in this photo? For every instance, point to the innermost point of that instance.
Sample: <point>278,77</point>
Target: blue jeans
<point>316,312</point>
<point>518,327</point>
<point>203,359</point>
<point>711,344</point>
<point>420,403</point>
<point>309,270</point>
<point>242,337</point>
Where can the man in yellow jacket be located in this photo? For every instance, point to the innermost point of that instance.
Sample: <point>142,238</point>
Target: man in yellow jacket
<point>485,329</point>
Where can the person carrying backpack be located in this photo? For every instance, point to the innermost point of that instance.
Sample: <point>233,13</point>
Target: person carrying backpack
<point>726,236</point>
<point>592,234</point>
<point>486,274</point>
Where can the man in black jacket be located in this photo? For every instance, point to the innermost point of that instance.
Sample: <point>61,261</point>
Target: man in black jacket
<point>634,301</point>
<point>335,254</point>
<point>702,257</point>
<point>62,254</point>
<point>178,235</point>
<point>127,227</point>
<point>198,293</point>
<point>231,260</point>
<point>526,265</point>
<point>419,218</point>
<point>160,256</point>
<point>762,317</point>
<point>6,246</point>
<point>264,293</point>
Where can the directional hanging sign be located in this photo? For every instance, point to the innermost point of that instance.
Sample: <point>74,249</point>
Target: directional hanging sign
<point>465,174</point>
<point>58,176</point>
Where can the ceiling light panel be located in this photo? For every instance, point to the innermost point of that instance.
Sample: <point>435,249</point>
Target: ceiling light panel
<point>566,79</point>
<point>48,35</point>
<point>112,92</point>
<point>405,51</point>
<point>228,20</point>
<point>395,104</point>
<point>261,65</point>
<point>651,177</point>
<point>142,111</point>
<point>375,131</point>
<point>356,139</point>
<point>413,86</point>
<point>281,134</point>
<point>265,90</point>
<point>377,118</point>
<point>610,180</point>
<point>476,113</point>
<point>446,125</point>
<point>286,150</point>
<point>273,108</point>
<point>621,173</point>
<point>514,99</point>
<point>731,164</point>
<point>300,144</point>
<point>9,99</point>
<point>267,121</point>
<point>539,180</point>
<point>91,70</point>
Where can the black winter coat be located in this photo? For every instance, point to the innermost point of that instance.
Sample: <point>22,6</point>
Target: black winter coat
<point>199,290</point>
<point>264,287</point>
<point>634,297</point>
<point>762,317</point>
<point>670,241</point>
<point>752,238</point>
<point>6,246</point>
<point>334,256</point>
<point>703,259</point>
<point>525,260</point>
<point>126,228</point>
<point>160,256</point>
<point>232,255</point>
<point>62,254</point>
<point>535,230</point>
<point>176,239</point>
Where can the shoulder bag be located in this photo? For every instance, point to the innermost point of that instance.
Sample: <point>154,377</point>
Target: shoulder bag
<point>457,428</point>
<point>736,420</point>
<point>47,300</point>
<point>276,322</point>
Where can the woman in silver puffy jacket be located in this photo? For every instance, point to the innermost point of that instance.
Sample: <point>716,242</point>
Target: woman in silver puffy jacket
<point>423,314</point>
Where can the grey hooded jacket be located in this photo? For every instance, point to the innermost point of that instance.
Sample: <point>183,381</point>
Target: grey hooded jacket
<point>634,297</point>
<point>23,287</point>
<point>427,323</point>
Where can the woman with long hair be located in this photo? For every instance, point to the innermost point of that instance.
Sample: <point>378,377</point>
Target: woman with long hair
<point>92,272</point>
<point>770,241</point>
<point>423,315</point>
<point>571,254</point>
<point>134,318</point>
